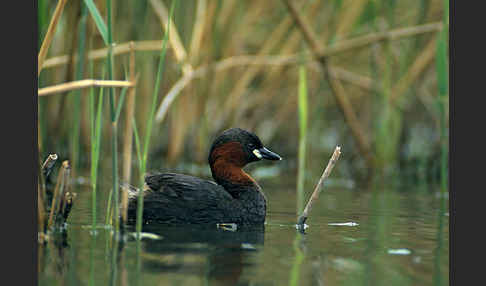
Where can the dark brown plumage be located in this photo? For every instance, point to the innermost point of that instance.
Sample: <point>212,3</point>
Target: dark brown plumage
<point>234,197</point>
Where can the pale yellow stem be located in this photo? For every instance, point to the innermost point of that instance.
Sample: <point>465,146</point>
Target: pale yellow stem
<point>73,85</point>
<point>50,34</point>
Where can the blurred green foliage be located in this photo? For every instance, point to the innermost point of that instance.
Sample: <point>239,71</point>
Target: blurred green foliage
<point>245,57</point>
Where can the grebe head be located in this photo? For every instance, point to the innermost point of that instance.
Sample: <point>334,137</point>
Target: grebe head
<point>239,147</point>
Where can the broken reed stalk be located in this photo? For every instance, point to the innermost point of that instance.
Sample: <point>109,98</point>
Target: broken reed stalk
<point>40,216</point>
<point>330,165</point>
<point>62,180</point>
<point>44,173</point>
<point>49,35</point>
<point>59,185</point>
<point>48,164</point>
<point>66,196</point>
<point>128,138</point>
<point>42,201</point>
<point>68,86</point>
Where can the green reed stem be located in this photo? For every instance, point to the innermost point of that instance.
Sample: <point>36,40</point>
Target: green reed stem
<point>77,97</point>
<point>120,103</point>
<point>442,83</point>
<point>96,126</point>
<point>298,259</point>
<point>150,120</point>
<point>100,24</point>
<point>108,208</point>
<point>93,149</point>
<point>92,262</point>
<point>114,134</point>
<point>137,142</point>
<point>438,251</point>
<point>389,122</point>
<point>42,17</point>
<point>303,114</point>
<point>114,263</point>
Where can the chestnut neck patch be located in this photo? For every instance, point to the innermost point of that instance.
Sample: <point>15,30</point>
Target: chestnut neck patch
<point>226,163</point>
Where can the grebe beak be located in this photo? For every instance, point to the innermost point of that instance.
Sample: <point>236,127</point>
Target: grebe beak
<point>264,153</point>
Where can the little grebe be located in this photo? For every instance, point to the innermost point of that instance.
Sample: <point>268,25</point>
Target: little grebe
<point>235,197</point>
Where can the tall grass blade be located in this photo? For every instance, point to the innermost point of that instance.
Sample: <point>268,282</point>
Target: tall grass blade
<point>120,103</point>
<point>100,24</point>
<point>114,135</point>
<point>42,17</point>
<point>439,249</point>
<point>137,142</point>
<point>77,94</point>
<point>96,126</point>
<point>151,118</point>
<point>298,259</point>
<point>92,120</point>
<point>129,114</point>
<point>160,71</point>
<point>51,30</point>
<point>109,212</point>
<point>303,113</point>
<point>442,82</point>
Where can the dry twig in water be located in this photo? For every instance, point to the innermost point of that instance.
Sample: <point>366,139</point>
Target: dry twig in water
<point>303,217</point>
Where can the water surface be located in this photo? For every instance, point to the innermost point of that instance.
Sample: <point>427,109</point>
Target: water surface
<point>370,235</point>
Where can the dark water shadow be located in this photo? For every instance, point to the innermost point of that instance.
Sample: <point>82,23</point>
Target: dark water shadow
<point>218,256</point>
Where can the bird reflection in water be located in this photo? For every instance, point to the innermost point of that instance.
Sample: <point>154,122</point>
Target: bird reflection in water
<point>217,254</point>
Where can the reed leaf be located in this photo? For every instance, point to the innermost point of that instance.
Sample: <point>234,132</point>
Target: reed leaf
<point>303,114</point>
<point>100,23</point>
<point>441,63</point>
<point>442,82</point>
<point>120,103</point>
<point>96,147</point>
<point>96,124</point>
<point>77,97</point>
<point>109,205</point>
<point>137,142</point>
<point>42,17</point>
<point>298,259</point>
<point>160,71</point>
<point>114,145</point>
<point>151,118</point>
